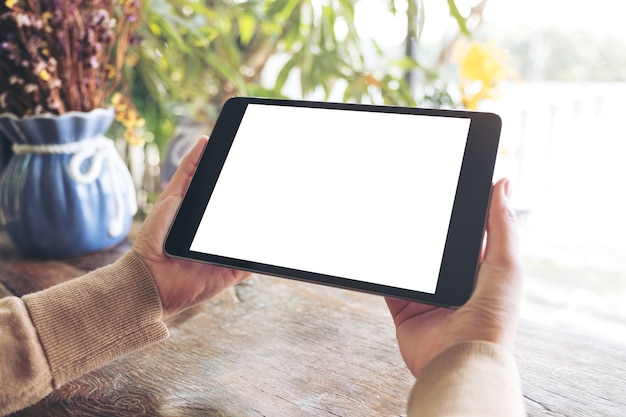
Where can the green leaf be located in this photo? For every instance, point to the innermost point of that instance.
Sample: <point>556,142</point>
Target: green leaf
<point>347,93</point>
<point>167,30</point>
<point>460,20</point>
<point>224,71</point>
<point>407,63</point>
<point>284,72</point>
<point>193,51</point>
<point>247,26</point>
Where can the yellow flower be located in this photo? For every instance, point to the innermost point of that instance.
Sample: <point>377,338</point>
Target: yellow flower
<point>115,98</point>
<point>131,7</point>
<point>121,110</point>
<point>133,137</point>
<point>481,68</point>
<point>10,3</point>
<point>483,62</point>
<point>127,115</point>
<point>110,73</point>
<point>45,18</point>
<point>44,75</point>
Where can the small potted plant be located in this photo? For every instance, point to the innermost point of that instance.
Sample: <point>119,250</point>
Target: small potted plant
<point>65,191</point>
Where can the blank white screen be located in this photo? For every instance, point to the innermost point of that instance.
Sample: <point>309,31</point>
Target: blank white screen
<point>359,195</point>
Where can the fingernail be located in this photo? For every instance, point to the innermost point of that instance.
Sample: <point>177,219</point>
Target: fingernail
<point>507,189</point>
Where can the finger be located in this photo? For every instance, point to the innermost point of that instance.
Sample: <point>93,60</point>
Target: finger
<point>502,244</point>
<point>500,271</point>
<point>182,177</point>
<point>402,310</point>
<point>395,305</point>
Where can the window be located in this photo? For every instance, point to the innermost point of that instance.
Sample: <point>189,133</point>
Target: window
<point>563,143</point>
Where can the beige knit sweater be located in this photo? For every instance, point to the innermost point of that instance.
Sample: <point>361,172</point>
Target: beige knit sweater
<point>56,335</point>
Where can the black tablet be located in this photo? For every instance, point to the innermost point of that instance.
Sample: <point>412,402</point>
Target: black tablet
<point>381,199</point>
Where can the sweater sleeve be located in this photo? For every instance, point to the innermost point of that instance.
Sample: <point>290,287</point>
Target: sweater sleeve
<point>56,335</point>
<point>469,379</point>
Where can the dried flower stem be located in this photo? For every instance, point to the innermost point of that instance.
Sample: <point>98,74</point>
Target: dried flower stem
<point>58,55</point>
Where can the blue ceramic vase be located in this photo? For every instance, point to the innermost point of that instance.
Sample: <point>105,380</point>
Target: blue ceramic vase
<point>66,190</point>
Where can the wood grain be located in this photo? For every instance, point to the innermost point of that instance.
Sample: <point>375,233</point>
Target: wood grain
<point>570,374</point>
<point>276,347</point>
<point>22,274</point>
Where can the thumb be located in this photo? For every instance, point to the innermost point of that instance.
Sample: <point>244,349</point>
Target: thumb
<point>501,225</point>
<point>154,229</point>
<point>182,177</point>
<point>495,304</point>
<point>501,269</point>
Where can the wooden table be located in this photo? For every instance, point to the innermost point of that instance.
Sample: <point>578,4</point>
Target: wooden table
<point>276,347</point>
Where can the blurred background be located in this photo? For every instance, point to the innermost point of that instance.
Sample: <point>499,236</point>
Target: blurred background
<point>554,70</point>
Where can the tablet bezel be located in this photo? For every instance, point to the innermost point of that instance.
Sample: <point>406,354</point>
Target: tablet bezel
<point>467,223</point>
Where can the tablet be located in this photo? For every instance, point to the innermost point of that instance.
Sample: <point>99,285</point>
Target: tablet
<point>382,199</point>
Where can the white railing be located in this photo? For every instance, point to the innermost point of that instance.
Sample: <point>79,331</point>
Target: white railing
<point>564,147</point>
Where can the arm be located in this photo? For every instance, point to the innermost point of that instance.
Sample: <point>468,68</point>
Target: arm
<point>463,359</point>
<point>24,372</point>
<point>56,335</point>
<point>473,378</point>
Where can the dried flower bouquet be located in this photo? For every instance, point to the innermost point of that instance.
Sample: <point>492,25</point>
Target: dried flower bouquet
<point>58,56</point>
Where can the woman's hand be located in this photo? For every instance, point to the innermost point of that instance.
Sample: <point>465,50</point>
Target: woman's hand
<point>491,314</point>
<point>181,283</point>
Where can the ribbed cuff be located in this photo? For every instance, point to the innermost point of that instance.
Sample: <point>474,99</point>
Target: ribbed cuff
<point>473,378</point>
<point>89,321</point>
